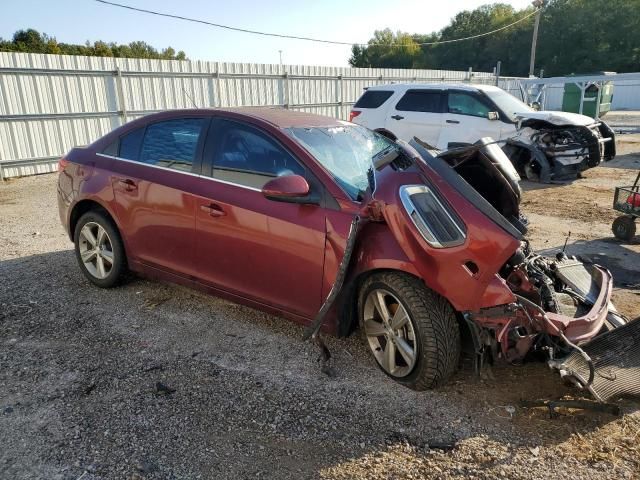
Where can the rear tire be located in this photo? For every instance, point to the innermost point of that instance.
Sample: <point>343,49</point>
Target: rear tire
<point>624,228</point>
<point>430,331</point>
<point>99,249</point>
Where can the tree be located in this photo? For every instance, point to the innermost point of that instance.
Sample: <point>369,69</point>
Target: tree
<point>582,36</point>
<point>29,41</point>
<point>386,50</point>
<point>578,36</point>
<point>32,41</point>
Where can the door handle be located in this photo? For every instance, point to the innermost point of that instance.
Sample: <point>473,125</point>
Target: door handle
<point>453,121</point>
<point>128,184</point>
<point>397,117</point>
<point>213,209</point>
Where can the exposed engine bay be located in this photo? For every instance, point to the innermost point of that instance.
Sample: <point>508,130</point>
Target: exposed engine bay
<point>561,310</point>
<point>546,151</point>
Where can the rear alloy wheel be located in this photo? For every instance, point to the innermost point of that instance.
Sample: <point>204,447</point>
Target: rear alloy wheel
<point>412,332</point>
<point>99,249</point>
<point>624,228</point>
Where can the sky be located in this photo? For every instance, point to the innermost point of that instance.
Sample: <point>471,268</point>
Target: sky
<point>76,21</point>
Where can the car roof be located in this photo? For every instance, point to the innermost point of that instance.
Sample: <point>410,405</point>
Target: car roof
<point>436,86</point>
<point>277,116</point>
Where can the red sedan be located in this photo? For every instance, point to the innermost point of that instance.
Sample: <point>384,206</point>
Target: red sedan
<point>256,205</point>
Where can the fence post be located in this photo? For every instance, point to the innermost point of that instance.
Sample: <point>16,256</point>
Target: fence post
<point>122,104</point>
<point>285,86</point>
<point>339,96</point>
<point>498,65</point>
<point>470,74</point>
<point>217,97</point>
<point>583,87</point>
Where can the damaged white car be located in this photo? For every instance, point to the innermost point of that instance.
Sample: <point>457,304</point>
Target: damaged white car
<point>542,145</point>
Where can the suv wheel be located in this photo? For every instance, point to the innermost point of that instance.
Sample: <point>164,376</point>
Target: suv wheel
<point>99,249</point>
<point>411,331</point>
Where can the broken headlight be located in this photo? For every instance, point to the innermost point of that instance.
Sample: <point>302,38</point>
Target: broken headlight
<point>437,224</point>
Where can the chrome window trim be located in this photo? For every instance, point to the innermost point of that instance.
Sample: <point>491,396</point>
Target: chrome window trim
<point>179,171</point>
<point>405,196</point>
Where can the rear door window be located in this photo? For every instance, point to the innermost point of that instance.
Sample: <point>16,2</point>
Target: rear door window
<point>172,143</point>
<point>373,98</point>
<point>428,101</point>
<point>249,157</point>
<point>463,103</point>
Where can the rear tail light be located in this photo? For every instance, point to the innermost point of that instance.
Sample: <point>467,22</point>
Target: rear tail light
<point>353,114</point>
<point>62,164</point>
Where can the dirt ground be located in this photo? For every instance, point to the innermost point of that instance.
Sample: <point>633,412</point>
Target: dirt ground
<point>80,370</point>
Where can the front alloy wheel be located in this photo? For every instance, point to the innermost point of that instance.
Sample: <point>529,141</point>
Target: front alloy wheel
<point>411,331</point>
<point>390,333</point>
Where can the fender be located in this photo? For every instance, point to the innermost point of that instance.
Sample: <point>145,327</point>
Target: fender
<point>461,274</point>
<point>378,249</point>
<point>93,181</point>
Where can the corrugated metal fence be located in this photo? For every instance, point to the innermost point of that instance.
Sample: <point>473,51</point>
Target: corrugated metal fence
<point>50,103</point>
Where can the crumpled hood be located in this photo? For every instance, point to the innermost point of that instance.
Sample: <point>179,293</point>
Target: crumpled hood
<point>558,118</point>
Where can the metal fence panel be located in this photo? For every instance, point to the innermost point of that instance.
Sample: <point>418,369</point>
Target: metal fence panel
<point>51,103</point>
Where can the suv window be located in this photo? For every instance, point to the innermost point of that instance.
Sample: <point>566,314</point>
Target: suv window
<point>466,104</point>
<point>249,157</point>
<point>172,143</point>
<point>373,98</point>
<point>429,101</point>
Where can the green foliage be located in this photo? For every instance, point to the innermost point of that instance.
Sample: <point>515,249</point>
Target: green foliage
<point>404,54</point>
<point>32,41</point>
<point>576,36</point>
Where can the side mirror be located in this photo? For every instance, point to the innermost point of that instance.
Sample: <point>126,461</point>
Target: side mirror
<point>290,188</point>
<point>493,116</point>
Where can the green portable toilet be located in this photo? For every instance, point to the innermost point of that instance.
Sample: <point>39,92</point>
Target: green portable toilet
<point>597,96</point>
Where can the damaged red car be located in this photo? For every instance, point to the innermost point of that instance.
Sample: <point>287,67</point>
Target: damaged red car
<point>309,217</point>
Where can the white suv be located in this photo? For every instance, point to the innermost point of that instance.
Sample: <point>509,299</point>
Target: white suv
<point>542,144</point>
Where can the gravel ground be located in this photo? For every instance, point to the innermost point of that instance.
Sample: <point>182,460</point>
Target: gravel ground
<point>157,381</point>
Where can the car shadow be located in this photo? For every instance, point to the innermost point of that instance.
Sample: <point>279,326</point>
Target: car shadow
<point>527,185</point>
<point>626,161</point>
<point>240,381</point>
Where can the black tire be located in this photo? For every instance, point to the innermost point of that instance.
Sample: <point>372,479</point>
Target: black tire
<point>624,228</point>
<point>118,268</point>
<point>434,322</point>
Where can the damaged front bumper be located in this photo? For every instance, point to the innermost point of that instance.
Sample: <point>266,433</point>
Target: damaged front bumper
<point>554,152</point>
<point>605,364</point>
<point>585,327</point>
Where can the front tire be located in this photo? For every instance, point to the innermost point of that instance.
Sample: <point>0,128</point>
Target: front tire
<point>411,331</point>
<point>99,249</point>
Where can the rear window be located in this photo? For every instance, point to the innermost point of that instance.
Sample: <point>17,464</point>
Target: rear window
<point>421,101</point>
<point>373,98</point>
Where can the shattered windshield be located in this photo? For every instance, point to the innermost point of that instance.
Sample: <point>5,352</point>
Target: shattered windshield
<point>509,104</point>
<point>346,152</point>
